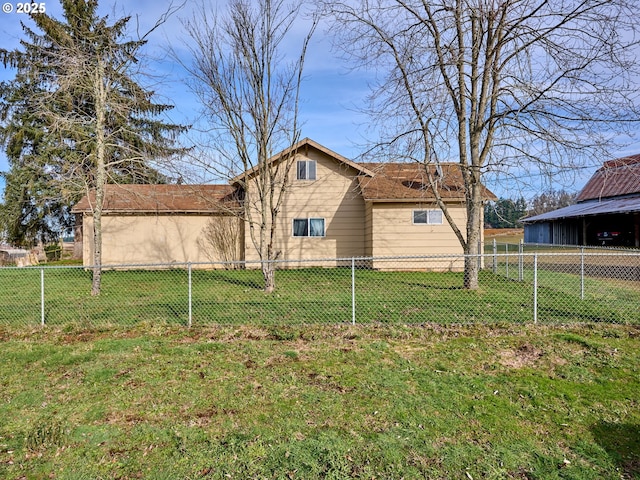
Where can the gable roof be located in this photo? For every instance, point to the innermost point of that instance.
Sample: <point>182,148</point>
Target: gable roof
<point>163,199</point>
<point>409,182</point>
<point>378,182</point>
<point>615,178</point>
<point>301,145</point>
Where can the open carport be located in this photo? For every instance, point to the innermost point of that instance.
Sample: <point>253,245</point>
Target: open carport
<point>607,212</point>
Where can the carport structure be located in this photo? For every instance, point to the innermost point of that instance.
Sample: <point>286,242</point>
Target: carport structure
<point>607,211</point>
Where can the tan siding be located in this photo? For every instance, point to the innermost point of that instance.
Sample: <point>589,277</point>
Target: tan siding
<point>368,240</point>
<point>150,239</point>
<point>333,196</point>
<point>394,234</point>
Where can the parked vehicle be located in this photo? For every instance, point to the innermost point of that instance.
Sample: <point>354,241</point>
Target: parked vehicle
<point>610,238</point>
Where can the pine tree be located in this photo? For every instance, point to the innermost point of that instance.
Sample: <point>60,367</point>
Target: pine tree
<point>76,118</point>
<point>505,213</point>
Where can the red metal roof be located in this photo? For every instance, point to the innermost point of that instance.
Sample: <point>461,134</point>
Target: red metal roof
<point>615,178</point>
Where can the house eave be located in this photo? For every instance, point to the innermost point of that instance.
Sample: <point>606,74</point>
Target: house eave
<point>413,200</point>
<point>294,148</point>
<point>160,212</point>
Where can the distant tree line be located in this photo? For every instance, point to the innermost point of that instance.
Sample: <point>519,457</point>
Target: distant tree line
<point>508,213</point>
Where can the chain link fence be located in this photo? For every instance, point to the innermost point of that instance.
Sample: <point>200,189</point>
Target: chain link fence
<point>518,287</point>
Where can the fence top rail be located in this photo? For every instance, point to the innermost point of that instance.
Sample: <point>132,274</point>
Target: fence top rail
<point>586,247</point>
<point>563,254</point>
<point>344,260</point>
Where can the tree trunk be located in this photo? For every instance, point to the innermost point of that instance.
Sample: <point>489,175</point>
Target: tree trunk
<point>101,177</point>
<point>96,280</point>
<point>269,274</point>
<point>471,269</point>
<point>269,268</point>
<point>474,224</point>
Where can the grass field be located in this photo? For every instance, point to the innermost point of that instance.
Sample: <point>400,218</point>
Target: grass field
<point>309,296</point>
<point>383,402</point>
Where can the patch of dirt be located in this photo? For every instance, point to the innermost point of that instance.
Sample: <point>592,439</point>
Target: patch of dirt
<point>326,383</point>
<point>523,356</point>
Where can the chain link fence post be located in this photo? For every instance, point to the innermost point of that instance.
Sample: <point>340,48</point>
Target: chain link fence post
<point>582,273</point>
<point>190,321</point>
<point>353,291</point>
<point>42,297</point>
<point>520,261</point>
<point>535,288</point>
<point>495,257</point>
<point>506,260</point>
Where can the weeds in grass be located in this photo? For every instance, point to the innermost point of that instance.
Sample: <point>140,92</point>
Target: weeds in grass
<point>433,401</point>
<point>47,432</point>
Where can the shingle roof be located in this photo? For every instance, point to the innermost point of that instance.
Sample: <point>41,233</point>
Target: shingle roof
<point>377,181</point>
<point>163,199</point>
<point>409,181</point>
<point>615,178</point>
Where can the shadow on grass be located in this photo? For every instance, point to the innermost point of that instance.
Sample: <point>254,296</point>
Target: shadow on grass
<point>231,277</point>
<point>435,287</point>
<point>621,441</point>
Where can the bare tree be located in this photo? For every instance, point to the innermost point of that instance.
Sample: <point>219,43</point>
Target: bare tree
<point>219,240</point>
<point>552,200</point>
<point>500,85</point>
<point>249,89</point>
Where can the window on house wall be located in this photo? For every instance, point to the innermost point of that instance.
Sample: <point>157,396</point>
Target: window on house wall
<point>306,169</point>
<point>427,217</point>
<point>308,227</point>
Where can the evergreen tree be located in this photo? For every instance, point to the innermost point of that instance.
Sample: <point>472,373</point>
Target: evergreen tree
<point>75,118</point>
<point>505,213</point>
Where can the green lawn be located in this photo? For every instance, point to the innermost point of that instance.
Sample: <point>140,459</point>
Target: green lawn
<point>310,296</point>
<point>502,401</point>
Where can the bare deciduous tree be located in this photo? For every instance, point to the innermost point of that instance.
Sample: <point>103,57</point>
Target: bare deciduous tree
<point>249,89</point>
<point>219,240</point>
<point>500,85</point>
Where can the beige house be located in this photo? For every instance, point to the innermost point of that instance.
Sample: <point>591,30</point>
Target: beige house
<point>333,208</point>
<point>152,224</point>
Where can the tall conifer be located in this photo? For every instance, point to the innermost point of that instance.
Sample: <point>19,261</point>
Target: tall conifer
<point>75,118</point>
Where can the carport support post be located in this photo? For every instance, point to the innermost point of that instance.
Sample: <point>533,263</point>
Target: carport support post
<point>42,296</point>
<point>190,297</point>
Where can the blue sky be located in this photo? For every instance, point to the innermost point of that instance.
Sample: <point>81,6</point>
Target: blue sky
<point>330,94</point>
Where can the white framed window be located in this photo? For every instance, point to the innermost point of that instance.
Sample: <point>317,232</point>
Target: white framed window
<point>308,227</point>
<point>306,169</point>
<point>427,217</point>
